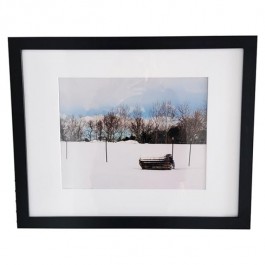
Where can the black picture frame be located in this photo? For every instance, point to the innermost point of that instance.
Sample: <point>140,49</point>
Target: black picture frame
<point>242,221</point>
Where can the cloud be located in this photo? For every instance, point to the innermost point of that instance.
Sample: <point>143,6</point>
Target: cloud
<point>98,95</point>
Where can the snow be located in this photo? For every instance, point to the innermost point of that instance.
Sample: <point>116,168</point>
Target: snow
<point>85,166</point>
<point>95,141</point>
<point>128,142</point>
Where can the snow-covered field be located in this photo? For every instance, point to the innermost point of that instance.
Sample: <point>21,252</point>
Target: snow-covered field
<point>84,166</point>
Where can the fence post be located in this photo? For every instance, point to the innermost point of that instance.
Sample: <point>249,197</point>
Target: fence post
<point>190,154</point>
<point>172,147</point>
<point>106,150</point>
<point>66,149</point>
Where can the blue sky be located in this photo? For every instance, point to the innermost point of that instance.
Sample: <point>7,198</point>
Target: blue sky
<point>97,96</point>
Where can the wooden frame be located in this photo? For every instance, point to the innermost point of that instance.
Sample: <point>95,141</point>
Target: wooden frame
<point>242,221</point>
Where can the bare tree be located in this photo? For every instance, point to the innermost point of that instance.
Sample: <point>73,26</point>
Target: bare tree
<point>63,131</point>
<point>80,126</point>
<point>163,115</point>
<point>72,128</point>
<point>89,129</point>
<point>167,114</point>
<point>137,123</point>
<point>156,118</point>
<point>99,129</point>
<point>190,123</point>
<point>204,115</point>
<point>111,125</point>
<point>123,112</point>
<point>146,135</point>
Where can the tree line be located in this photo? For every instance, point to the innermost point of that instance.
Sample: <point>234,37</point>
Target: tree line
<point>165,123</point>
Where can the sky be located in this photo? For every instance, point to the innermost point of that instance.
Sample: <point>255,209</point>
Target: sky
<point>97,96</point>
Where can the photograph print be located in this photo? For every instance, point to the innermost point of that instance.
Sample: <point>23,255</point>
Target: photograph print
<point>133,133</point>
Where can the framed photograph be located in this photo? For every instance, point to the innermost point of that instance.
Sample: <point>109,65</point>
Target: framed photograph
<point>133,132</point>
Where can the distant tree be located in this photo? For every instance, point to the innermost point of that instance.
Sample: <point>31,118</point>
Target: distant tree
<point>132,138</point>
<point>155,115</point>
<point>167,113</point>
<point>175,132</point>
<point>123,113</point>
<point>183,114</point>
<point>191,124</point>
<point>71,128</point>
<point>80,126</point>
<point>202,137</point>
<point>111,125</point>
<point>99,129</point>
<point>203,134</point>
<point>146,135</point>
<point>196,126</point>
<point>63,131</point>
<point>89,129</point>
<point>163,116</point>
<point>137,123</point>
<point>165,121</point>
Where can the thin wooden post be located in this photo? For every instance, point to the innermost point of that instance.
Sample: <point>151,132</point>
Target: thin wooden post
<point>189,154</point>
<point>172,147</point>
<point>106,150</point>
<point>66,149</point>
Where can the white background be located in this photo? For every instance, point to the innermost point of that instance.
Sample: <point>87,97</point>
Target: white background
<point>121,18</point>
